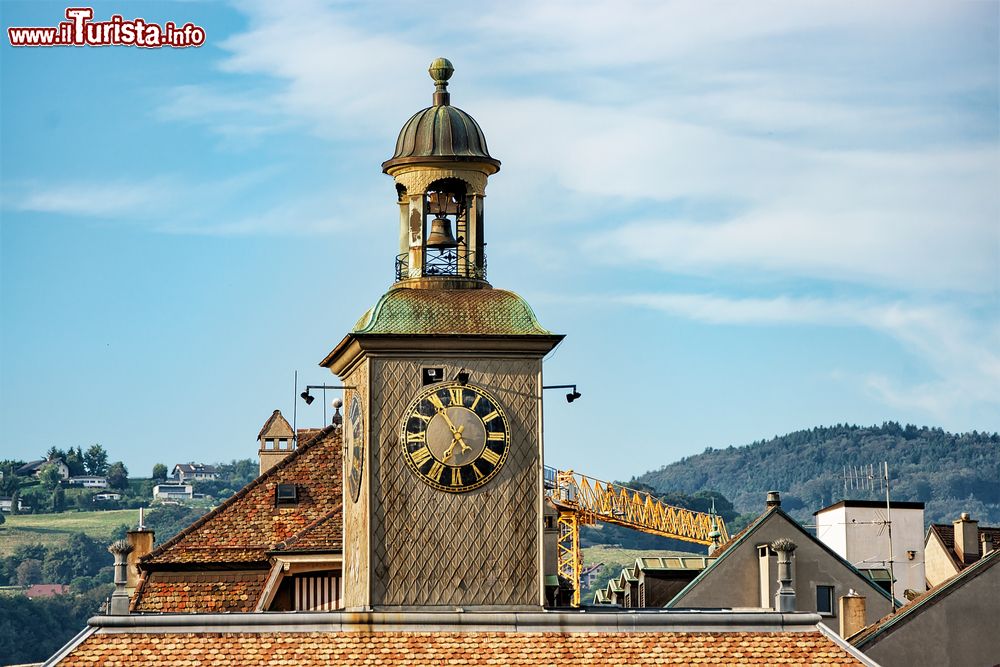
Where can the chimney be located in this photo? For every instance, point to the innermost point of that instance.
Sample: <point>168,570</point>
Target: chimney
<point>852,613</point>
<point>784,599</point>
<point>986,544</point>
<point>967,539</point>
<point>120,549</point>
<point>773,499</point>
<point>142,543</point>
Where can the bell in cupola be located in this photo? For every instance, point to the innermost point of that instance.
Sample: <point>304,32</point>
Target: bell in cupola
<point>441,237</point>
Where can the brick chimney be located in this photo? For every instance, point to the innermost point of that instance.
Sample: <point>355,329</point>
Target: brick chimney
<point>142,543</point>
<point>276,441</point>
<point>852,613</point>
<point>967,538</point>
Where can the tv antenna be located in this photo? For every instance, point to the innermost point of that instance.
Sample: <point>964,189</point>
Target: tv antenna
<point>873,478</point>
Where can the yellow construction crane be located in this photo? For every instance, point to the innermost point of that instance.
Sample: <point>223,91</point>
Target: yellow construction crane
<point>582,500</point>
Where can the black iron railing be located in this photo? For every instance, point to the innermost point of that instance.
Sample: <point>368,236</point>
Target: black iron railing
<point>447,262</point>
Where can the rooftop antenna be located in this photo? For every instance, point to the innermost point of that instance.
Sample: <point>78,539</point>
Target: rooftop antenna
<point>888,526</point>
<point>868,478</point>
<point>863,478</point>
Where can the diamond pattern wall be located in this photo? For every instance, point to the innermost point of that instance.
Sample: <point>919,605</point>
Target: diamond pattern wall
<point>432,548</point>
<point>356,545</point>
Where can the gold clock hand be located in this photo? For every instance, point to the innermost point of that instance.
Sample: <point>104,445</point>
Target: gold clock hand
<point>455,437</point>
<point>444,413</point>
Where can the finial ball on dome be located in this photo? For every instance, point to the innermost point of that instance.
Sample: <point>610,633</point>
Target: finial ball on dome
<point>441,70</point>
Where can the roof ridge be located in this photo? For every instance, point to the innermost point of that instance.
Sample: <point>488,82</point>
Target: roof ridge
<point>746,532</point>
<point>935,594</point>
<point>283,545</point>
<point>260,479</point>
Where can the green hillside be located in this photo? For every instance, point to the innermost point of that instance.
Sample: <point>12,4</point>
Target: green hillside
<point>54,530</point>
<point>951,473</point>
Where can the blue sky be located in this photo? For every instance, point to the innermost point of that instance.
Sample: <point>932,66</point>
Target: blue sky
<point>748,218</point>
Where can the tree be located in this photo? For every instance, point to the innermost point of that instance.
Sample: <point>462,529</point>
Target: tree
<point>49,476</point>
<point>58,499</point>
<point>159,471</point>
<point>83,556</point>
<point>55,453</point>
<point>74,461</point>
<point>96,460</point>
<point>29,572</point>
<point>118,476</point>
<point>3,519</point>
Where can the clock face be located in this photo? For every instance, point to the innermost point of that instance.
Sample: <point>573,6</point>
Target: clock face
<point>455,438</point>
<point>356,446</point>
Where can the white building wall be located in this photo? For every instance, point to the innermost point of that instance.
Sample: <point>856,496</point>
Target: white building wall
<point>859,535</point>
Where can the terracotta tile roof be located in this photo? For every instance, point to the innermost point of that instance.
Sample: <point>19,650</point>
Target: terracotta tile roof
<point>324,534</point>
<point>187,592</point>
<point>474,648</point>
<point>247,526</point>
<point>888,622</point>
<point>45,590</point>
<point>947,535</point>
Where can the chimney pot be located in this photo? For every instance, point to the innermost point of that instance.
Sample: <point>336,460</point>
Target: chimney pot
<point>773,499</point>
<point>986,543</point>
<point>784,599</point>
<point>120,549</point>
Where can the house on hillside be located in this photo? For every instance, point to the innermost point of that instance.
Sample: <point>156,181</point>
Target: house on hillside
<point>107,495</point>
<point>950,549</point>
<point>744,572</point>
<point>89,481</point>
<point>7,504</point>
<point>32,469</point>
<point>954,624</point>
<point>189,472</point>
<point>38,591</point>
<point>170,491</point>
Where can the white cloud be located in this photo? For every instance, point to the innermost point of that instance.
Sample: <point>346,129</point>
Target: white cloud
<point>95,199</point>
<point>963,352</point>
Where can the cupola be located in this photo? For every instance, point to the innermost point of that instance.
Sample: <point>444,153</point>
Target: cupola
<point>440,166</point>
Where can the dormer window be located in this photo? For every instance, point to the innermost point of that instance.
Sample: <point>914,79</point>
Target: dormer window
<point>286,494</point>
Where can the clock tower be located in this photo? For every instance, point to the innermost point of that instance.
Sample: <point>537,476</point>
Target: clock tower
<point>443,429</point>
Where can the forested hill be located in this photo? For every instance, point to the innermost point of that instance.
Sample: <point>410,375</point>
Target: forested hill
<point>951,473</point>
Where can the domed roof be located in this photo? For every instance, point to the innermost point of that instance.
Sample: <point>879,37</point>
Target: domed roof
<point>481,312</point>
<point>441,133</point>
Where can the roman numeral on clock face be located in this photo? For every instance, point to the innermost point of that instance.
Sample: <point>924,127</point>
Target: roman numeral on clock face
<point>455,395</point>
<point>456,477</point>
<point>437,469</point>
<point>496,435</point>
<point>419,436</point>
<point>436,401</point>
<point>492,457</point>
<point>421,456</point>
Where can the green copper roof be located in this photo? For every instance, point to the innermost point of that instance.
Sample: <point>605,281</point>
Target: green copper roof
<point>483,312</point>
